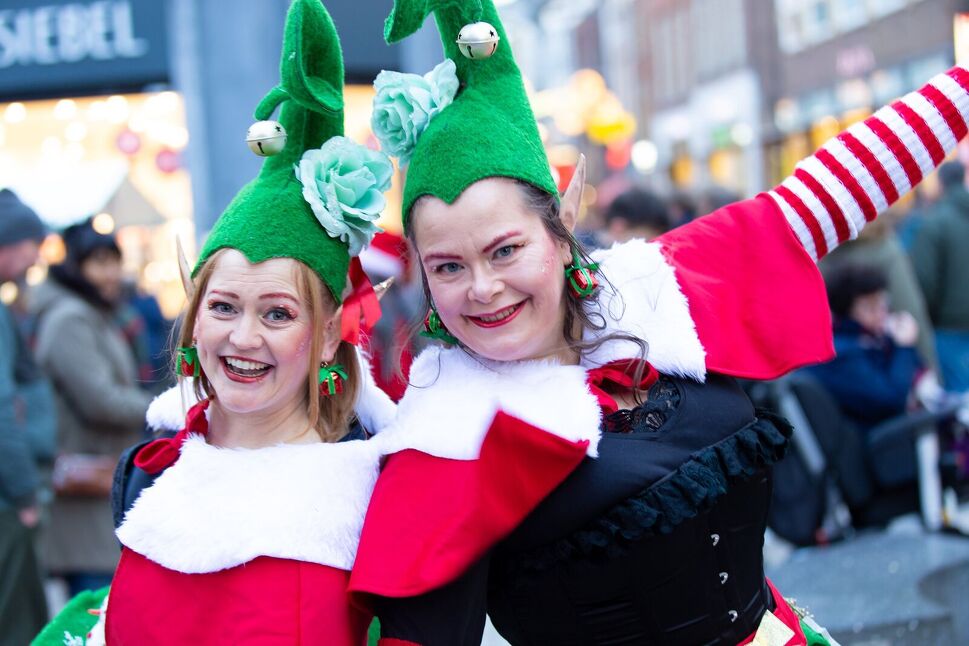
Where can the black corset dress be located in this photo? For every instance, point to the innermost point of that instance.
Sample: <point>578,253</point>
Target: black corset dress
<point>670,521</point>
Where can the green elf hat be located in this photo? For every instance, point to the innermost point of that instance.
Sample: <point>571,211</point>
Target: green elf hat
<point>318,194</point>
<point>466,120</point>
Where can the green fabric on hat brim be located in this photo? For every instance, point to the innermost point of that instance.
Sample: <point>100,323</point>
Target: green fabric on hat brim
<point>269,218</point>
<point>489,130</point>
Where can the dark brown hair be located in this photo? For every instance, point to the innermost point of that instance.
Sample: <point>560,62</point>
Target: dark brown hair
<point>331,414</point>
<point>580,314</point>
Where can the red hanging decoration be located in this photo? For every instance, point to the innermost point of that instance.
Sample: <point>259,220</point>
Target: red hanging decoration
<point>361,309</point>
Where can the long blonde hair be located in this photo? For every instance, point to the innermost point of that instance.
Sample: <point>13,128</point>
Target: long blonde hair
<point>330,415</point>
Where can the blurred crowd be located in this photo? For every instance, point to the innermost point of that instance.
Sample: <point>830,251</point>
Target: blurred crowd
<point>83,353</point>
<point>81,356</point>
<point>900,317</point>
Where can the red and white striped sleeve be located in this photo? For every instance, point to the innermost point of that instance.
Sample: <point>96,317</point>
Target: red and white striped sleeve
<point>865,169</point>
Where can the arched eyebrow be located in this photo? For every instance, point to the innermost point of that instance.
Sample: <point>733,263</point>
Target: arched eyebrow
<point>280,295</point>
<point>499,239</point>
<point>229,294</point>
<point>440,256</point>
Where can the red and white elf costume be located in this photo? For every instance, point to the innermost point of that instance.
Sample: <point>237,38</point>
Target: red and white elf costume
<point>254,546</point>
<point>479,445</point>
<point>245,545</point>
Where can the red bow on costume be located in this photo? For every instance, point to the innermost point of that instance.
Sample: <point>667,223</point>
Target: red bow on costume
<point>156,456</point>
<point>361,309</point>
<point>618,373</point>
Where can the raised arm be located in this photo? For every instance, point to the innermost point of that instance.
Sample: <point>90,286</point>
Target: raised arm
<point>865,169</point>
<point>748,271</point>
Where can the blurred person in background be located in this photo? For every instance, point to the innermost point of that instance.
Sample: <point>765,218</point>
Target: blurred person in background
<point>100,405</point>
<point>941,259</point>
<point>682,208</point>
<point>26,426</point>
<point>910,221</point>
<point>147,331</point>
<point>716,197</point>
<point>876,363</point>
<point>879,246</point>
<point>637,213</point>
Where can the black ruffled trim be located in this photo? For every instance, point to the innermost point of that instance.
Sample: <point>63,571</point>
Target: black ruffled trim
<point>694,487</point>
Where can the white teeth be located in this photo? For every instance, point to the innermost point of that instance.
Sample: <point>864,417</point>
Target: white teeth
<point>500,315</point>
<point>241,364</point>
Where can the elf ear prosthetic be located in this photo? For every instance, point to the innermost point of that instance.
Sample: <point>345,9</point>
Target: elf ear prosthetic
<point>572,199</point>
<point>184,270</point>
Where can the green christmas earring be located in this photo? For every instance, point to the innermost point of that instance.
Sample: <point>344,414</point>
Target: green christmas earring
<point>581,280</point>
<point>331,379</point>
<point>434,328</point>
<point>188,361</point>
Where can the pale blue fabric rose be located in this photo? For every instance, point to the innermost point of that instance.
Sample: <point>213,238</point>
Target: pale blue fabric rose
<point>344,184</point>
<point>406,103</point>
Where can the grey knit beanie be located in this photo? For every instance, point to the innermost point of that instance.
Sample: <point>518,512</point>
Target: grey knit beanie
<point>18,221</point>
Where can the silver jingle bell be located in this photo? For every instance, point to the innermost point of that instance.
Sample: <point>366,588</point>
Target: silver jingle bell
<point>266,138</point>
<point>478,40</point>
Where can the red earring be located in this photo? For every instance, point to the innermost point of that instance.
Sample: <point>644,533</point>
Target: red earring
<point>581,278</point>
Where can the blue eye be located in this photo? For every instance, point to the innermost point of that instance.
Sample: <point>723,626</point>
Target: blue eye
<point>448,268</point>
<point>220,307</point>
<point>279,314</point>
<point>506,251</point>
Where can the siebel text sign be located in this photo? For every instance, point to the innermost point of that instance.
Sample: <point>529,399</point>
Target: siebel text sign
<point>52,48</point>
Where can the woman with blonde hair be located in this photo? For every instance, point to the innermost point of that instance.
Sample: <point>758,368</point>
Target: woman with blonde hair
<point>241,523</point>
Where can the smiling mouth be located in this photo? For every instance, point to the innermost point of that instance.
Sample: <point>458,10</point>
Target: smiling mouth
<point>245,367</point>
<point>496,319</point>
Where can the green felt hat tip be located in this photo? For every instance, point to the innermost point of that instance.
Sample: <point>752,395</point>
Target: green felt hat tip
<point>489,130</point>
<point>269,218</point>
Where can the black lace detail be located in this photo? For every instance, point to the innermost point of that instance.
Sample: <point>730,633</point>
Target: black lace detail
<point>694,487</point>
<point>662,399</point>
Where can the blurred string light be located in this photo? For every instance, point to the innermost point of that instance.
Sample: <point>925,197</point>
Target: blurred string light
<point>137,124</point>
<point>742,134</point>
<point>3,135</point>
<point>51,146</point>
<point>103,223</point>
<point>117,109</point>
<point>8,293</point>
<point>52,250</point>
<point>97,111</point>
<point>65,109</point>
<point>161,271</point>
<point>15,113</point>
<point>644,156</point>
<point>960,37</point>
<point>75,131</point>
<point>162,104</point>
<point>36,275</point>
<point>585,105</point>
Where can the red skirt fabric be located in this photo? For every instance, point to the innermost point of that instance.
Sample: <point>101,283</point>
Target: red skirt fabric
<point>264,602</point>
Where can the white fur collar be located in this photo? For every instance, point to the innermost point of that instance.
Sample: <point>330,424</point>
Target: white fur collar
<point>216,508</point>
<point>453,399</point>
<point>648,303</point>
<point>374,408</point>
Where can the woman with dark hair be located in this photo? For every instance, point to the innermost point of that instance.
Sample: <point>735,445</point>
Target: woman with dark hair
<point>101,409</point>
<point>876,366</point>
<point>575,457</point>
